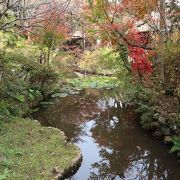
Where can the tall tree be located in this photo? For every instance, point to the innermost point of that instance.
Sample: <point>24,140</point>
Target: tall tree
<point>113,22</point>
<point>52,30</point>
<point>18,13</point>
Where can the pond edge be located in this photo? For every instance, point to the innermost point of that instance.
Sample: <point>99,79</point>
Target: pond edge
<point>76,162</point>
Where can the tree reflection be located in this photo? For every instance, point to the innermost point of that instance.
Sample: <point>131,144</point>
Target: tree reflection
<point>123,148</point>
<point>124,152</point>
<point>70,113</point>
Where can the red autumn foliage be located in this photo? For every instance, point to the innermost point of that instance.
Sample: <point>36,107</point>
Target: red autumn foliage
<point>51,19</point>
<point>136,38</point>
<point>140,62</point>
<point>119,27</point>
<point>140,57</point>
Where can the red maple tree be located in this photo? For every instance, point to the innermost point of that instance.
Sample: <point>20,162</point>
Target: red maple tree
<point>112,21</point>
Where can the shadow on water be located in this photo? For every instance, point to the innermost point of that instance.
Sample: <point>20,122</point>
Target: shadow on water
<point>112,144</point>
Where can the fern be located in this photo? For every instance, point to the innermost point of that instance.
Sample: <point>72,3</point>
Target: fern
<point>176,145</point>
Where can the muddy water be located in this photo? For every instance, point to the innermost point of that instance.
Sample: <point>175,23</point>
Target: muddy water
<point>114,147</point>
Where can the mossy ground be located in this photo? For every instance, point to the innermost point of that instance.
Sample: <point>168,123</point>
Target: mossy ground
<point>30,151</point>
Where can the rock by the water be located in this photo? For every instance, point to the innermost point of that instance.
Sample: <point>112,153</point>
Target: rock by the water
<point>177,131</point>
<point>167,139</point>
<point>155,125</point>
<point>156,116</point>
<point>162,120</point>
<point>55,170</point>
<point>157,133</point>
<point>166,131</point>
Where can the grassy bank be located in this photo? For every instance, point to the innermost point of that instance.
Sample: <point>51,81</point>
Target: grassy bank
<point>30,151</point>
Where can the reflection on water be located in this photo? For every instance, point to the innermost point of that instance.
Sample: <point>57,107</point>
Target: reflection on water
<point>112,144</point>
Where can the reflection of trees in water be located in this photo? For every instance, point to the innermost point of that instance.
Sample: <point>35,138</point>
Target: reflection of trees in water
<point>70,113</point>
<point>114,131</point>
<point>111,166</point>
<point>121,156</point>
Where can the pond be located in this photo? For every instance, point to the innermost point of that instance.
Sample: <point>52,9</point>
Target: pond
<point>113,145</point>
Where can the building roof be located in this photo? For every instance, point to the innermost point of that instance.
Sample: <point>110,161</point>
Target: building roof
<point>142,27</point>
<point>77,34</point>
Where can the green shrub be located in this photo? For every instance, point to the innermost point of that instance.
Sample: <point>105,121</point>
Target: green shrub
<point>146,120</point>
<point>147,113</point>
<point>22,79</point>
<point>9,40</point>
<point>44,80</point>
<point>4,112</point>
<point>103,60</point>
<point>176,145</point>
<point>167,65</point>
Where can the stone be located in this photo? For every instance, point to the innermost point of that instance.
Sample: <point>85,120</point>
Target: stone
<point>162,120</point>
<point>155,125</point>
<point>156,116</point>
<point>166,131</point>
<point>177,131</point>
<point>59,177</point>
<point>174,128</point>
<point>55,170</point>
<point>157,133</point>
<point>167,139</point>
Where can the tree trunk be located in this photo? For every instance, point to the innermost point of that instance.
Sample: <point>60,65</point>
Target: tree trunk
<point>162,16</point>
<point>163,29</point>
<point>48,55</point>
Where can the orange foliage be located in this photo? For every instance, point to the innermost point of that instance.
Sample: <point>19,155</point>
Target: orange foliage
<point>140,7</point>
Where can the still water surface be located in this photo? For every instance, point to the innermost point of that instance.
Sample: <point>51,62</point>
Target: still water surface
<point>114,147</point>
